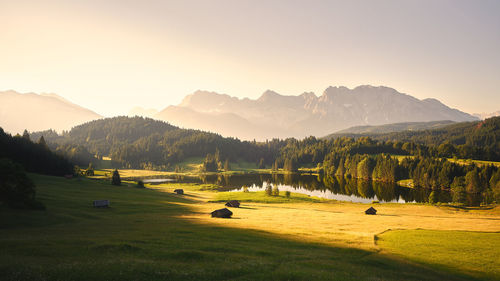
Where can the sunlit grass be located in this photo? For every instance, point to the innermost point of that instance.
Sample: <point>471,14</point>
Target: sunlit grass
<point>476,252</point>
<point>477,162</point>
<point>152,234</point>
<point>262,197</point>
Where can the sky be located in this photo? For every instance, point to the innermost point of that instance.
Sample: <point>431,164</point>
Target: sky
<point>110,56</point>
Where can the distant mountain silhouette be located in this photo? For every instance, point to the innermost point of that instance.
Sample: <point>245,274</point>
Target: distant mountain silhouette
<point>275,115</point>
<point>485,115</point>
<point>36,112</point>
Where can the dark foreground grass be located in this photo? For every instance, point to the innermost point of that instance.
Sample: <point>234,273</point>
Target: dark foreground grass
<point>142,237</point>
<point>477,253</point>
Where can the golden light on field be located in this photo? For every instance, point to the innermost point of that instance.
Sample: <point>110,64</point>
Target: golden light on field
<point>338,223</point>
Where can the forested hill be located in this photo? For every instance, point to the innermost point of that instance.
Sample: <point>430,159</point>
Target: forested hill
<point>147,143</point>
<point>395,127</point>
<point>34,157</point>
<point>151,144</point>
<point>466,137</point>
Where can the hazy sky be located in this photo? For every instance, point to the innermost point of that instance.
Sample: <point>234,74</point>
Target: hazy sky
<point>110,56</point>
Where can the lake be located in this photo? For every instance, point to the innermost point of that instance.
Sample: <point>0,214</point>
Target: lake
<point>352,190</point>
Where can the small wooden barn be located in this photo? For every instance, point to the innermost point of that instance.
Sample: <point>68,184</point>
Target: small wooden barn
<point>371,211</point>
<point>233,203</point>
<point>179,191</point>
<point>222,213</point>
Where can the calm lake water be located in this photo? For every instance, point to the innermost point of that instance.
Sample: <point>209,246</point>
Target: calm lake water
<point>353,190</point>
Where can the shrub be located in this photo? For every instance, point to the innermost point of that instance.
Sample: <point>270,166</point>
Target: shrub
<point>269,190</point>
<point>433,197</point>
<point>16,189</point>
<point>288,194</point>
<point>115,179</point>
<point>140,184</point>
<point>276,191</point>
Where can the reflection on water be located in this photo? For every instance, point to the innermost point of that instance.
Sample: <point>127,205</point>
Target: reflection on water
<point>328,187</point>
<point>157,181</point>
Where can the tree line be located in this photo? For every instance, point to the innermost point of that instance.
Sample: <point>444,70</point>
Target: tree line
<point>151,144</point>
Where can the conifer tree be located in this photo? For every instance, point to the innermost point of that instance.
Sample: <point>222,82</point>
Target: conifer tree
<point>42,142</point>
<point>26,135</point>
<point>115,179</point>
<point>472,183</point>
<point>262,165</point>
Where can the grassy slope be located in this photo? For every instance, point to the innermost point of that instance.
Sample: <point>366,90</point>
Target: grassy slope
<point>149,234</point>
<point>475,252</point>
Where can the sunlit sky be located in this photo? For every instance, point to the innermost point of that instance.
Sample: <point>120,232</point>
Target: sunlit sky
<point>111,56</point>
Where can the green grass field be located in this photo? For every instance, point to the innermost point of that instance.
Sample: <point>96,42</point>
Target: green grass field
<point>475,253</point>
<point>477,162</point>
<point>153,234</point>
<point>261,197</point>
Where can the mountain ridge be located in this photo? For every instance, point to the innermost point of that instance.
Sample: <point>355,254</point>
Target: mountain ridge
<point>38,112</point>
<point>299,116</point>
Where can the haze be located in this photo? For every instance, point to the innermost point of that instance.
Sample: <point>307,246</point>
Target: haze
<point>112,56</point>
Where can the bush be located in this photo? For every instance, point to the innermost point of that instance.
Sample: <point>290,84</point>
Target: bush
<point>433,197</point>
<point>140,184</point>
<point>16,189</point>
<point>269,190</point>
<point>115,180</point>
<point>288,194</point>
<point>276,191</point>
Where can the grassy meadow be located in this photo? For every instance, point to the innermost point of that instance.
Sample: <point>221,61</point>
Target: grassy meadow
<point>475,252</point>
<point>154,234</point>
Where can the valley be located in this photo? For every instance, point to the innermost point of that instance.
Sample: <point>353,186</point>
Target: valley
<point>138,237</point>
<point>250,140</point>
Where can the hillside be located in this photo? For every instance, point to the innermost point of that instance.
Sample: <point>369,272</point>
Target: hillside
<point>396,127</point>
<point>273,115</point>
<point>469,136</point>
<point>146,143</point>
<point>34,157</point>
<point>36,112</point>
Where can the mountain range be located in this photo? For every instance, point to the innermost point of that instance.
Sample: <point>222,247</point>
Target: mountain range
<point>36,112</point>
<point>273,115</point>
<point>485,115</point>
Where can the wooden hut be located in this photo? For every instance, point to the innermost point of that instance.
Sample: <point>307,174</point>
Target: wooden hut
<point>101,203</point>
<point>233,203</point>
<point>222,213</point>
<point>371,211</point>
<point>179,191</point>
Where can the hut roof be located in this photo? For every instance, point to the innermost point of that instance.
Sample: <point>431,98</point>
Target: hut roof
<point>233,203</point>
<point>371,211</point>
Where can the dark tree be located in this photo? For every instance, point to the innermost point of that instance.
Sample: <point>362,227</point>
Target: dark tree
<point>458,190</point>
<point>42,142</point>
<point>16,189</point>
<point>269,190</point>
<point>115,180</point>
<point>90,170</point>
<point>33,157</point>
<point>472,182</point>
<point>290,165</point>
<point>210,164</point>
<point>26,135</point>
<point>262,165</point>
